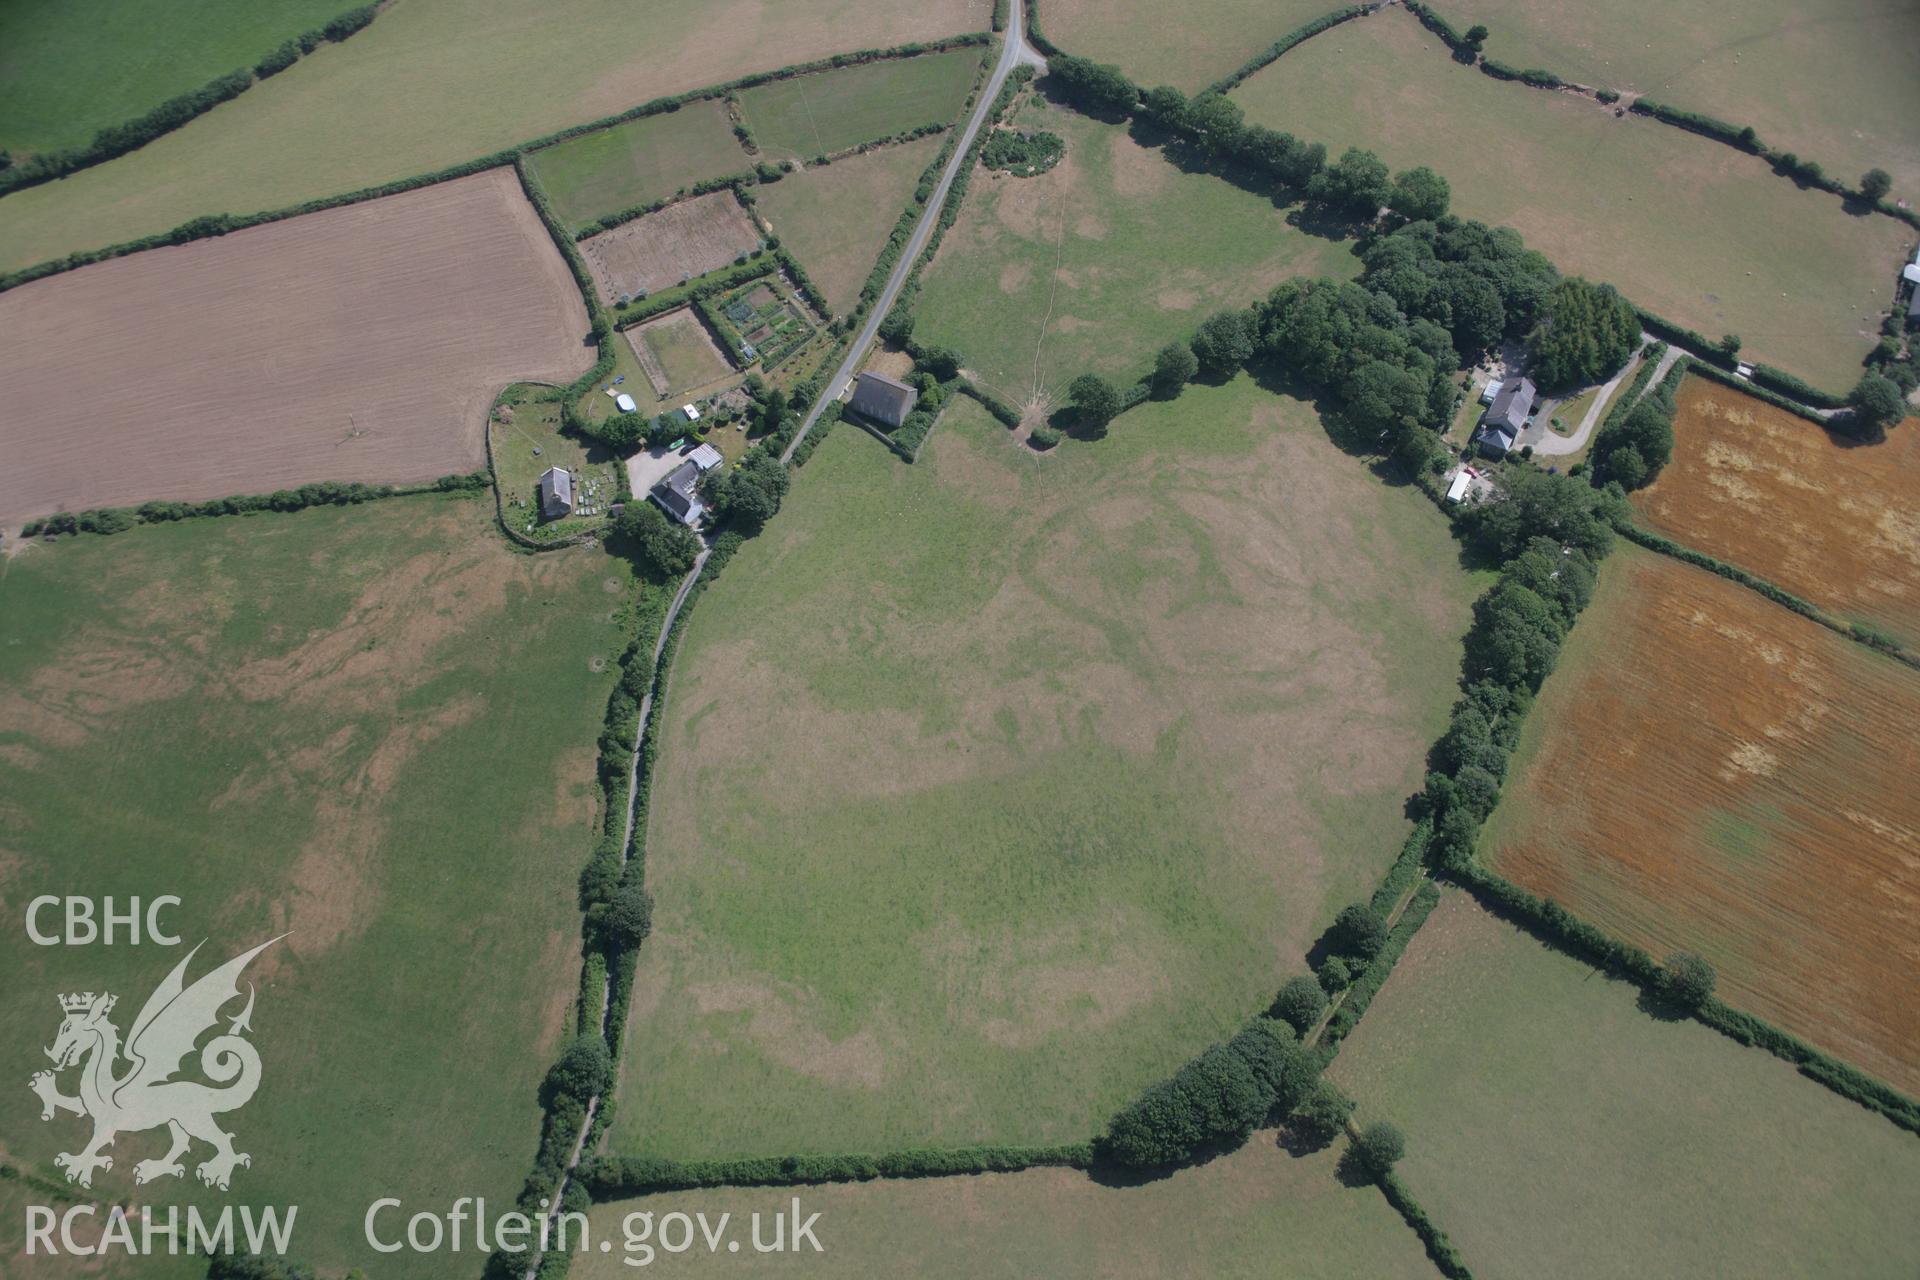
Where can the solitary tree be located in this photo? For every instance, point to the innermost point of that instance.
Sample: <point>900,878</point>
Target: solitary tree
<point>1359,932</point>
<point>1300,1003</point>
<point>1686,980</point>
<point>1225,340</point>
<point>1875,183</point>
<point>1335,975</point>
<point>1877,403</point>
<point>1476,36</point>
<point>1420,195</point>
<point>629,917</point>
<point>1094,399</point>
<point>585,1068</point>
<point>1173,368</point>
<point>1379,1147</point>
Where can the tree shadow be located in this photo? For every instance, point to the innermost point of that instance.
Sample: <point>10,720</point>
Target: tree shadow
<point>1659,1007</point>
<point>1301,1141</point>
<point>1070,422</point>
<point>1352,1171</point>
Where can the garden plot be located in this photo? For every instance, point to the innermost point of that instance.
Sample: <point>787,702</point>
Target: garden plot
<point>661,249</point>
<point>1708,771</point>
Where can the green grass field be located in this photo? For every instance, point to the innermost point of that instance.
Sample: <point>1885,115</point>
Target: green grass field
<point>1686,227</point>
<point>436,82</point>
<point>1258,1212</point>
<point>1210,39</point>
<point>1555,1129</point>
<point>1095,264</point>
<point>818,114</point>
<point>69,68</point>
<point>835,219</point>
<point>984,795</point>
<point>638,162</point>
<point>1832,81</point>
<point>371,726</point>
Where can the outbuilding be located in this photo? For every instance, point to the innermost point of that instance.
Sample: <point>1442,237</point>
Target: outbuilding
<point>706,457</point>
<point>881,399</point>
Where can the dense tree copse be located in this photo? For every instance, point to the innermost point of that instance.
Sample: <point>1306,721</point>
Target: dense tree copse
<point>1542,504</point>
<point>667,548</point>
<point>1214,1101</point>
<point>1103,89</point>
<point>1633,450</point>
<point>1586,333</point>
<point>750,494</point>
<point>1356,184</point>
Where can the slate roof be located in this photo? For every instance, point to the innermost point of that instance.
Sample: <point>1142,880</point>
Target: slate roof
<point>1511,407</point>
<point>556,493</point>
<point>678,494</point>
<point>883,399</point>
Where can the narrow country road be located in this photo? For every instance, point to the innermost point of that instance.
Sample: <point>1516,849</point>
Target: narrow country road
<point>633,796</point>
<point>1015,52</point>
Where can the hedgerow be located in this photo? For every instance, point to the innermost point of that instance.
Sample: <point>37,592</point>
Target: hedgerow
<point>1753,388</point>
<point>1367,983</point>
<point>623,1177</point>
<point>1273,51</point>
<point>323,493</point>
<point>130,135</point>
<point>1439,1248</point>
<point>1741,136</point>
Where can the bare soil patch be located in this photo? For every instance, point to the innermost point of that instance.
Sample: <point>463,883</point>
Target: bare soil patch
<point>1824,516</point>
<point>361,343</point>
<point>660,249</point>
<point>1711,772</point>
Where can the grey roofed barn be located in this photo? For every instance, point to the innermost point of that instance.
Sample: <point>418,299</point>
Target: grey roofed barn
<point>883,399</point>
<point>556,493</point>
<point>678,494</point>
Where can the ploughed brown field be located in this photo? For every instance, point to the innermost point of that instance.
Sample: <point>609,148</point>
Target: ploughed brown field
<point>361,343</point>
<point>1710,772</point>
<point>659,249</point>
<point>1826,517</point>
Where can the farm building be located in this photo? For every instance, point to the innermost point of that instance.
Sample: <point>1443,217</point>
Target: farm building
<point>1506,417</point>
<point>883,399</point>
<point>556,493</point>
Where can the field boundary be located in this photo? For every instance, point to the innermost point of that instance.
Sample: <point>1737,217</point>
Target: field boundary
<point>322,493</point>
<point>1785,164</point>
<point>215,224</point>
<point>116,140</point>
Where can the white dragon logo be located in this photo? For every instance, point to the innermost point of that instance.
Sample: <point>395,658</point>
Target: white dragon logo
<point>146,1096</point>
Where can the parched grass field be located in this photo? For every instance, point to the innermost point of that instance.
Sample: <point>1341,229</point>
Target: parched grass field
<point>1688,228</point>
<point>1554,1129</point>
<point>1210,38</point>
<point>1710,772</point>
<point>1095,264</point>
<point>994,787</point>
<point>433,83</point>
<point>1832,80</point>
<point>371,726</point>
<point>660,249</point>
<point>70,68</point>
<point>1257,1212</point>
<point>682,349</point>
<point>362,343</point>
<point>828,111</point>
<point>836,219</point>
<point>1826,517</point>
<point>638,162</point>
